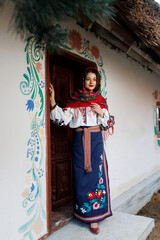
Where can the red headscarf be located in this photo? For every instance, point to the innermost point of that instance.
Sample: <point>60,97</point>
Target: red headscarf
<point>84,98</point>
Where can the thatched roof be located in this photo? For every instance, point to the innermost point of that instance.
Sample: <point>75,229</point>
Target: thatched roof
<point>143,18</point>
<point>135,31</point>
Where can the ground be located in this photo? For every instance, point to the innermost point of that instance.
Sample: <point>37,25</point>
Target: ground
<point>152,209</point>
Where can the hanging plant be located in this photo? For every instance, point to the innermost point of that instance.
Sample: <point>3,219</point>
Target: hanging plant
<point>41,18</point>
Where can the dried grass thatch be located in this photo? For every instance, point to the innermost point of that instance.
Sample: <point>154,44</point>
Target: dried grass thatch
<point>143,18</point>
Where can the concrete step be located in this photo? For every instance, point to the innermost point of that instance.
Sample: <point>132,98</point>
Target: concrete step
<point>121,226</point>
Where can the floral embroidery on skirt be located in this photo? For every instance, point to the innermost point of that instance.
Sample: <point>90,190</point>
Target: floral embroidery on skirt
<point>91,194</point>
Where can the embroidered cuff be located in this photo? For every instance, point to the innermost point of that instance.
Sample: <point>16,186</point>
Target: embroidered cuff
<point>53,107</point>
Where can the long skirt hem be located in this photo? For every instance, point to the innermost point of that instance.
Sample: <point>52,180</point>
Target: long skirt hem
<point>97,218</point>
<point>91,198</point>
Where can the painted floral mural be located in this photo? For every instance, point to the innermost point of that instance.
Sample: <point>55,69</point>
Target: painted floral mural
<point>156,99</point>
<point>33,88</point>
<point>91,52</point>
<point>75,40</point>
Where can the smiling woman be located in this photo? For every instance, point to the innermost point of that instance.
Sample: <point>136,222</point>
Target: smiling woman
<point>87,113</point>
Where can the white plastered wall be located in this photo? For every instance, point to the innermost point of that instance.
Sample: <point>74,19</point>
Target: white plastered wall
<point>131,151</point>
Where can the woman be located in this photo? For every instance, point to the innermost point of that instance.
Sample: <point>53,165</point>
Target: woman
<point>87,112</point>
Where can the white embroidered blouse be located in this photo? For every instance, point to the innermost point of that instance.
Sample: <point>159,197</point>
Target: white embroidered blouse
<point>76,117</point>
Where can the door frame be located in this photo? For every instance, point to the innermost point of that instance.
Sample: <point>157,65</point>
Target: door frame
<point>81,60</point>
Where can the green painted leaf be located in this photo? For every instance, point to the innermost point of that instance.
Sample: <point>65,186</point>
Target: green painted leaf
<point>37,77</point>
<point>27,58</point>
<point>34,176</point>
<point>31,208</point>
<point>26,77</point>
<point>29,71</point>
<point>26,234</point>
<point>43,213</point>
<point>155,130</point>
<point>29,171</point>
<point>26,225</point>
<point>42,101</point>
<point>30,236</point>
<point>26,47</point>
<point>29,38</point>
<point>158,142</point>
<point>32,96</point>
<point>68,48</point>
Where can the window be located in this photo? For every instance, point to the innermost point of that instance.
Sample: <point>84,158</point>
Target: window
<point>158,118</point>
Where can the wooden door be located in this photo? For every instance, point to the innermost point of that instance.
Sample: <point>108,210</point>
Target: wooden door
<point>61,169</point>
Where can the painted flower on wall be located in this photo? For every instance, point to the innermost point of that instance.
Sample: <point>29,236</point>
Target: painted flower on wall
<point>38,66</point>
<point>96,205</point>
<point>75,39</point>
<point>37,226</point>
<point>91,195</point>
<point>33,86</point>
<point>30,105</point>
<point>25,193</point>
<point>32,187</point>
<point>95,51</point>
<point>41,84</point>
<point>40,173</point>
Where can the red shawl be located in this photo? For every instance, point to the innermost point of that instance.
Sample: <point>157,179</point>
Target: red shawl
<point>85,98</point>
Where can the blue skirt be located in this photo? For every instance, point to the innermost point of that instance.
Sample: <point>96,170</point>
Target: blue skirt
<point>91,193</point>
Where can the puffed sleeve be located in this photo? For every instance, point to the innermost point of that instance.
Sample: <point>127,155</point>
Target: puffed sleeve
<point>103,121</point>
<point>61,117</point>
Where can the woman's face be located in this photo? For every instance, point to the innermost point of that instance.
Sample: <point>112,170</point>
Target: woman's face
<point>90,81</point>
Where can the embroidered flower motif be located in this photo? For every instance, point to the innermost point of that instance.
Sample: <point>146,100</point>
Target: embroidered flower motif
<point>30,105</point>
<point>104,192</point>
<point>96,205</point>
<point>91,195</point>
<point>94,51</point>
<point>83,210</point>
<point>99,194</point>
<point>97,200</point>
<point>101,157</point>
<point>100,167</point>
<point>75,39</point>
<point>101,180</point>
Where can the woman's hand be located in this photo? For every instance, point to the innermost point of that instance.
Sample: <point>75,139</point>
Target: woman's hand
<point>97,109</point>
<point>52,95</point>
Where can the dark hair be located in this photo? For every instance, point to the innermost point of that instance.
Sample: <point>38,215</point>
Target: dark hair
<point>95,71</point>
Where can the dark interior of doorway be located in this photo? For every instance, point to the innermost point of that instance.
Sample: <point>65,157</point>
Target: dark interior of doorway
<point>61,204</point>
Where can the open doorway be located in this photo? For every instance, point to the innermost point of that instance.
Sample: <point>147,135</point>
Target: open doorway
<point>65,73</point>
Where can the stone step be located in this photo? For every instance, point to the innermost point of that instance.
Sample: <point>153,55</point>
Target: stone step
<point>121,226</point>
